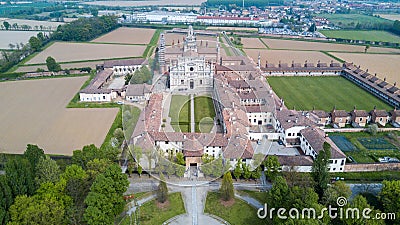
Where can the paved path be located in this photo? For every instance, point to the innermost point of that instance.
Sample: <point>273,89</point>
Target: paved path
<point>251,201</point>
<point>192,122</point>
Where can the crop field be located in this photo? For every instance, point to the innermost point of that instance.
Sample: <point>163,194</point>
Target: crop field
<point>147,3</point>
<point>68,52</point>
<point>287,56</point>
<point>383,65</point>
<point>14,37</point>
<point>323,93</point>
<point>370,35</point>
<point>174,37</point>
<point>390,16</point>
<point>35,24</point>
<point>125,35</point>
<point>252,43</point>
<point>34,112</point>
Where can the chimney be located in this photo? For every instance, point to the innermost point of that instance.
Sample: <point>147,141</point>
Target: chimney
<point>184,136</point>
<point>384,79</point>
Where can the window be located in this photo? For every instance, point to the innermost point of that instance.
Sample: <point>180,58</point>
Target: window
<point>104,97</point>
<point>201,81</point>
<point>360,119</point>
<point>182,82</point>
<point>334,169</point>
<point>289,134</point>
<point>166,142</point>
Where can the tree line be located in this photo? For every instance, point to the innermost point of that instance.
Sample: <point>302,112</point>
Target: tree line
<point>38,190</point>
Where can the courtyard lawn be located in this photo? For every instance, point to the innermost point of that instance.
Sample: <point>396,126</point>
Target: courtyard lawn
<point>365,35</point>
<point>151,214</point>
<point>204,113</point>
<point>237,214</point>
<point>323,93</point>
<point>179,112</point>
<point>261,196</point>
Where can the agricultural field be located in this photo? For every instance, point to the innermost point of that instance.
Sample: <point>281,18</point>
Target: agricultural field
<point>34,24</point>
<point>363,147</point>
<point>179,111</point>
<point>72,52</point>
<point>174,37</point>
<point>252,43</point>
<point>323,93</point>
<point>204,113</point>
<point>365,35</point>
<point>147,3</point>
<point>287,56</point>
<point>350,21</point>
<point>14,37</point>
<point>125,35</point>
<point>34,112</point>
<point>91,64</point>
<point>384,65</point>
<point>390,16</point>
<point>320,46</point>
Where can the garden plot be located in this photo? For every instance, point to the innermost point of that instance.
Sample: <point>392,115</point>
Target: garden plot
<point>125,35</point>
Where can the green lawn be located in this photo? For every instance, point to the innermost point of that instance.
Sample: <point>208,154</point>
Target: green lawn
<point>204,113</point>
<point>238,214</point>
<point>179,112</point>
<point>365,35</point>
<point>324,93</point>
<point>368,176</point>
<point>261,196</point>
<point>151,214</point>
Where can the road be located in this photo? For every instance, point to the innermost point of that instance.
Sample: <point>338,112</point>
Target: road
<point>235,50</point>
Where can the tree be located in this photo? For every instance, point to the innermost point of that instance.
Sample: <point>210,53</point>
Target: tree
<point>162,191</point>
<point>47,170</point>
<point>180,158</point>
<point>6,25</point>
<point>390,197</point>
<point>119,134</point>
<point>359,202</point>
<point>246,171</point>
<point>35,43</point>
<point>97,166</point>
<point>256,173</point>
<point>366,48</point>
<point>372,129</point>
<point>170,169</point>
<point>180,171</point>
<point>278,196</point>
<point>140,170</point>
<point>6,200</point>
<point>272,166</point>
<point>52,65</point>
<point>334,191</point>
<point>312,28</point>
<point>33,153</point>
<point>20,177</point>
<point>238,171</point>
<point>319,170</point>
<point>226,190</point>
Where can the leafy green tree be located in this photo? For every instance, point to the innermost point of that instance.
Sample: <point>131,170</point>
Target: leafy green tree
<point>238,171</point>
<point>272,166</point>
<point>390,197</point>
<point>319,170</point>
<point>226,190</point>
<point>35,43</point>
<point>180,158</point>
<point>90,152</point>
<point>334,191</point>
<point>180,171</point>
<point>140,170</point>
<point>162,191</point>
<point>6,199</point>
<point>170,169</point>
<point>256,173</point>
<point>119,134</point>
<point>47,170</point>
<point>246,171</point>
<point>97,166</point>
<point>6,25</point>
<point>359,202</point>
<point>279,195</point>
<point>52,65</point>
<point>33,153</point>
<point>20,177</point>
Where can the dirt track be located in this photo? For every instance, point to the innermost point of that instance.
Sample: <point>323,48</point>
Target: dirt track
<point>33,111</point>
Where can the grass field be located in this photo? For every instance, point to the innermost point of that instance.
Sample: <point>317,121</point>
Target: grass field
<point>365,35</point>
<point>349,21</point>
<point>323,93</point>
<point>204,113</point>
<point>151,214</point>
<point>237,214</point>
<point>179,111</point>
<point>34,112</point>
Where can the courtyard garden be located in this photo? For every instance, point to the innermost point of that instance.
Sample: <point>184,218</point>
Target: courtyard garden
<point>362,147</point>
<point>179,112</point>
<point>204,113</point>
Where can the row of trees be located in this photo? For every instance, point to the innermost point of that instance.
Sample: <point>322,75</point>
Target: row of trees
<point>85,29</point>
<point>36,190</point>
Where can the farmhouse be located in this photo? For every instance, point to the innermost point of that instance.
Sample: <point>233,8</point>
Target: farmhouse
<point>340,117</point>
<point>124,67</point>
<point>138,92</point>
<point>97,90</point>
<point>359,118</point>
<point>379,117</point>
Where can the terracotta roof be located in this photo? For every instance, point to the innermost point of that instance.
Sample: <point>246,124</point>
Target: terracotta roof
<point>316,138</point>
<point>359,113</point>
<point>395,113</point>
<point>321,113</point>
<point>379,113</point>
<point>137,89</point>
<point>296,160</point>
<point>292,118</point>
<point>339,113</point>
<point>125,62</point>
